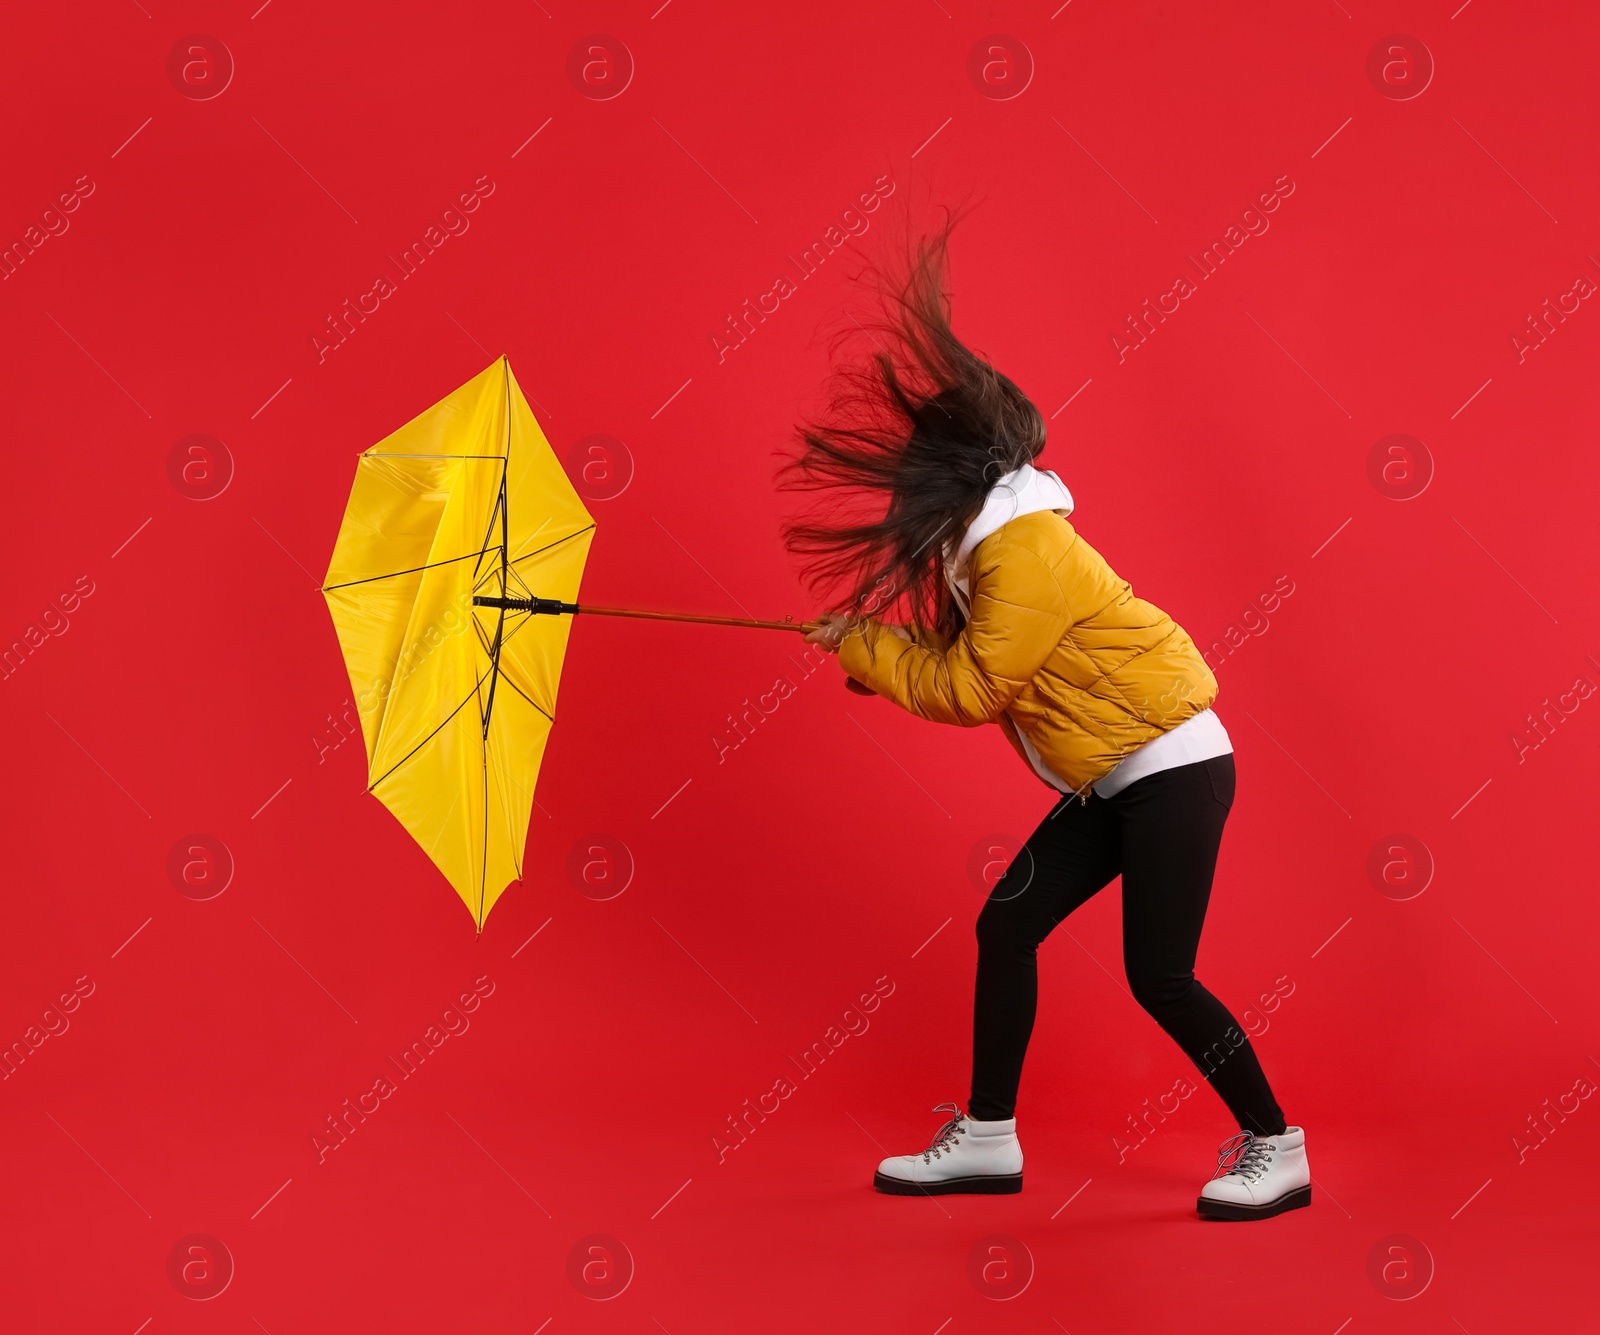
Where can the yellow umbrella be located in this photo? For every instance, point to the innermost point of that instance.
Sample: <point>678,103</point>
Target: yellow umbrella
<point>461,538</point>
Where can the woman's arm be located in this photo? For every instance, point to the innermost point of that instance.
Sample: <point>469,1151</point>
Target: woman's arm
<point>927,639</point>
<point>1018,618</point>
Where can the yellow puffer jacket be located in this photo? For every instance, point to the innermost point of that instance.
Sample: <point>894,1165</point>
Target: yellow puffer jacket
<point>1055,644</point>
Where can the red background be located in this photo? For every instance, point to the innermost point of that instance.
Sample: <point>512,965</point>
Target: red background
<point>823,854</point>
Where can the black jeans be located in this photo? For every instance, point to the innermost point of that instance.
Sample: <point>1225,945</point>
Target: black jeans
<point>1161,835</point>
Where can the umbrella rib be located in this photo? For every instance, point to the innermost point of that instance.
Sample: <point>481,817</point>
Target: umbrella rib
<point>500,500</point>
<point>513,685</point>
<point>513,578</point>
<point>505,677</point>
<point>503,505</point>
<point>483,859</point>
<point>483,863</point>
<point>487,545</point>
<point>413,751</point>
<point>477,629</point>
<point>393,574</point>
<point>506,785</point>
<point>503,512</point>
<point>576,534</point>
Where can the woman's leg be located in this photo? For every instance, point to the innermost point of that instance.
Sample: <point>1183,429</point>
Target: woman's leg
<point>1075,851</point>
<point>1171,828</point>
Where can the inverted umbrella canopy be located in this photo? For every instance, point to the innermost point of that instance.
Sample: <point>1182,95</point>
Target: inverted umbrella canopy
<point>457,699</point>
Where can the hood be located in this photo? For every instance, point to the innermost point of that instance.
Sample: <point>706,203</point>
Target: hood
<point>1024,491</point>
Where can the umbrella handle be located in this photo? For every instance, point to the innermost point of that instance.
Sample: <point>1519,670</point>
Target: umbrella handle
<point>555,607</point>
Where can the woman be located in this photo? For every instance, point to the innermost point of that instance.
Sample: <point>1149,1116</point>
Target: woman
<point>1016,620</point>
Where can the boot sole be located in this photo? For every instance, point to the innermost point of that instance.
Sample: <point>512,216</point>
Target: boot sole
<point>988,1184</point>
<point>1294,1200</point>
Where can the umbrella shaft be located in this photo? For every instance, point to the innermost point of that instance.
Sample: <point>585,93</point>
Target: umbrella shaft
<point>554,607</point>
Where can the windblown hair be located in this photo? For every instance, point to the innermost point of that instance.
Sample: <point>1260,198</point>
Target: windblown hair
<point>910,444</point>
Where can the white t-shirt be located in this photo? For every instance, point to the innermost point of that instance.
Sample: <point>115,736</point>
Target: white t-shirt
<point>1026,491</point>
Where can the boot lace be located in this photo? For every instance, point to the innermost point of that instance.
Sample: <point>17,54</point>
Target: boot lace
<point>1244,1155</point>
<point>949,1133</point>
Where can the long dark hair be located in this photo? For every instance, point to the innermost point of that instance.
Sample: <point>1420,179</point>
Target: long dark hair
<point>910,444</point>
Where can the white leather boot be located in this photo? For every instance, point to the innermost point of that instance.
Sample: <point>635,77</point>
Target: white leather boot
<point>966,1156</point>
<point>1258,1176</point>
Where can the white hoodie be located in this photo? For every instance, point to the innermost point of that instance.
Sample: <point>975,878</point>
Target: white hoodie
<point>1026,491</point>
